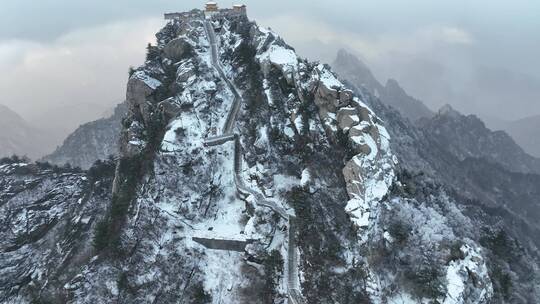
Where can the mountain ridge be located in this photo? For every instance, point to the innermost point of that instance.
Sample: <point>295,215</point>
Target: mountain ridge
<point>358,73</point>
<point>523,131</point>
<point>92,141</point>
<point>467,136</point>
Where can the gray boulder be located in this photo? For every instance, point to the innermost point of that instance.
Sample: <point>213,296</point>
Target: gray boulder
<point>177,48</point>
<point>347,118</point>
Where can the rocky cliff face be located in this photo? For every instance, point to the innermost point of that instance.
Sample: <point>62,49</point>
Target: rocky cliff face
<point>92,141</point>
<point>245,175</point>
<point>47,217</point>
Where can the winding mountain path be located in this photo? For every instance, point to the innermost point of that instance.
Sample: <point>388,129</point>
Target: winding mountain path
<point>293,288</point>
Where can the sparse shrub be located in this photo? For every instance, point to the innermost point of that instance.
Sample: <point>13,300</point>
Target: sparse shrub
<point>180,132</point>
<point>455,251</point>
<point>152,52</point>
<point>499,243</point>
<point>123,283</point>
<point>41,300</point>
<point>13,159</point>
<point>406,186</point>
<point>275,135</point>
<point>101,235</point>
<point>126,122</point>
<point>200,296</point>
<point>399,231</point>
<point>502,282</point>
<point>187,168</point>
<point>131,71</point>
<point>426,279</point>
<point>102,169</point>
<point>343,141</point>
<point>273,269</point>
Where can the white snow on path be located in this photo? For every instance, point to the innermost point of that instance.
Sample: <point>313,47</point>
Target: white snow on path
<point>225,224</point>
<point>223,275</point>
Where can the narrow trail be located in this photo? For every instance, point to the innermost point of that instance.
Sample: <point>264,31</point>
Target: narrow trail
<point>219,140</point>
<point>293,289</point>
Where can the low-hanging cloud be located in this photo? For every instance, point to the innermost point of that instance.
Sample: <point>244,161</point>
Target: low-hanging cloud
<point>424,39</point>
<point>76,78</point>
<point>79,51</point>
<point>438,63</point>
<point>82,66</point>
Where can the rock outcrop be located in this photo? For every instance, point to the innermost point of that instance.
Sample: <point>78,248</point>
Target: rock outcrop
<point>176,49</point>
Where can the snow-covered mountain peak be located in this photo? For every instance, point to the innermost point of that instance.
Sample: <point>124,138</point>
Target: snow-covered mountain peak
<point>242,165</point>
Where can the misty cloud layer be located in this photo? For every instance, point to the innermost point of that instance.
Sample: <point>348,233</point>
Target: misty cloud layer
<point>481,57</point>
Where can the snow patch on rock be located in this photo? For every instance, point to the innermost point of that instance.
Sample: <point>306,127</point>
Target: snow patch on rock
<point>466,276</point>
<point>149,81</point>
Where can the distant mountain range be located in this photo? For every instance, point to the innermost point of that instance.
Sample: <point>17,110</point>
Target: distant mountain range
<point>464,136</point>
<point>524,131</point>
<point>39,135</point>
<point>467,136</point>
<point>355,71</point>
<point>96,140</point>
<point>18,137</point>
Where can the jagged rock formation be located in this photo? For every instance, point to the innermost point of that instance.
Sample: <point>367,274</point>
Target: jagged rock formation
<point>359,75</point>
<point>92,141</point>
<point>310,183</point>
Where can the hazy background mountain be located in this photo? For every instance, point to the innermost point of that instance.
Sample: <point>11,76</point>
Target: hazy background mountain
<point>92,141</point>
<point>464,132</point>
<point>440,52</point>
<point>392,94</point>
<point>524,131</point>
<point>17,136</point>
<point>466,136</point>
<point>44,130</point>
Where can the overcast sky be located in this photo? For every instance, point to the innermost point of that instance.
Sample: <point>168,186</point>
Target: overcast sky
<point>480,56</point>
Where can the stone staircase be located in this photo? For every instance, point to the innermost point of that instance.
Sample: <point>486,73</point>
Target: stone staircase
<point>293,289</point>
